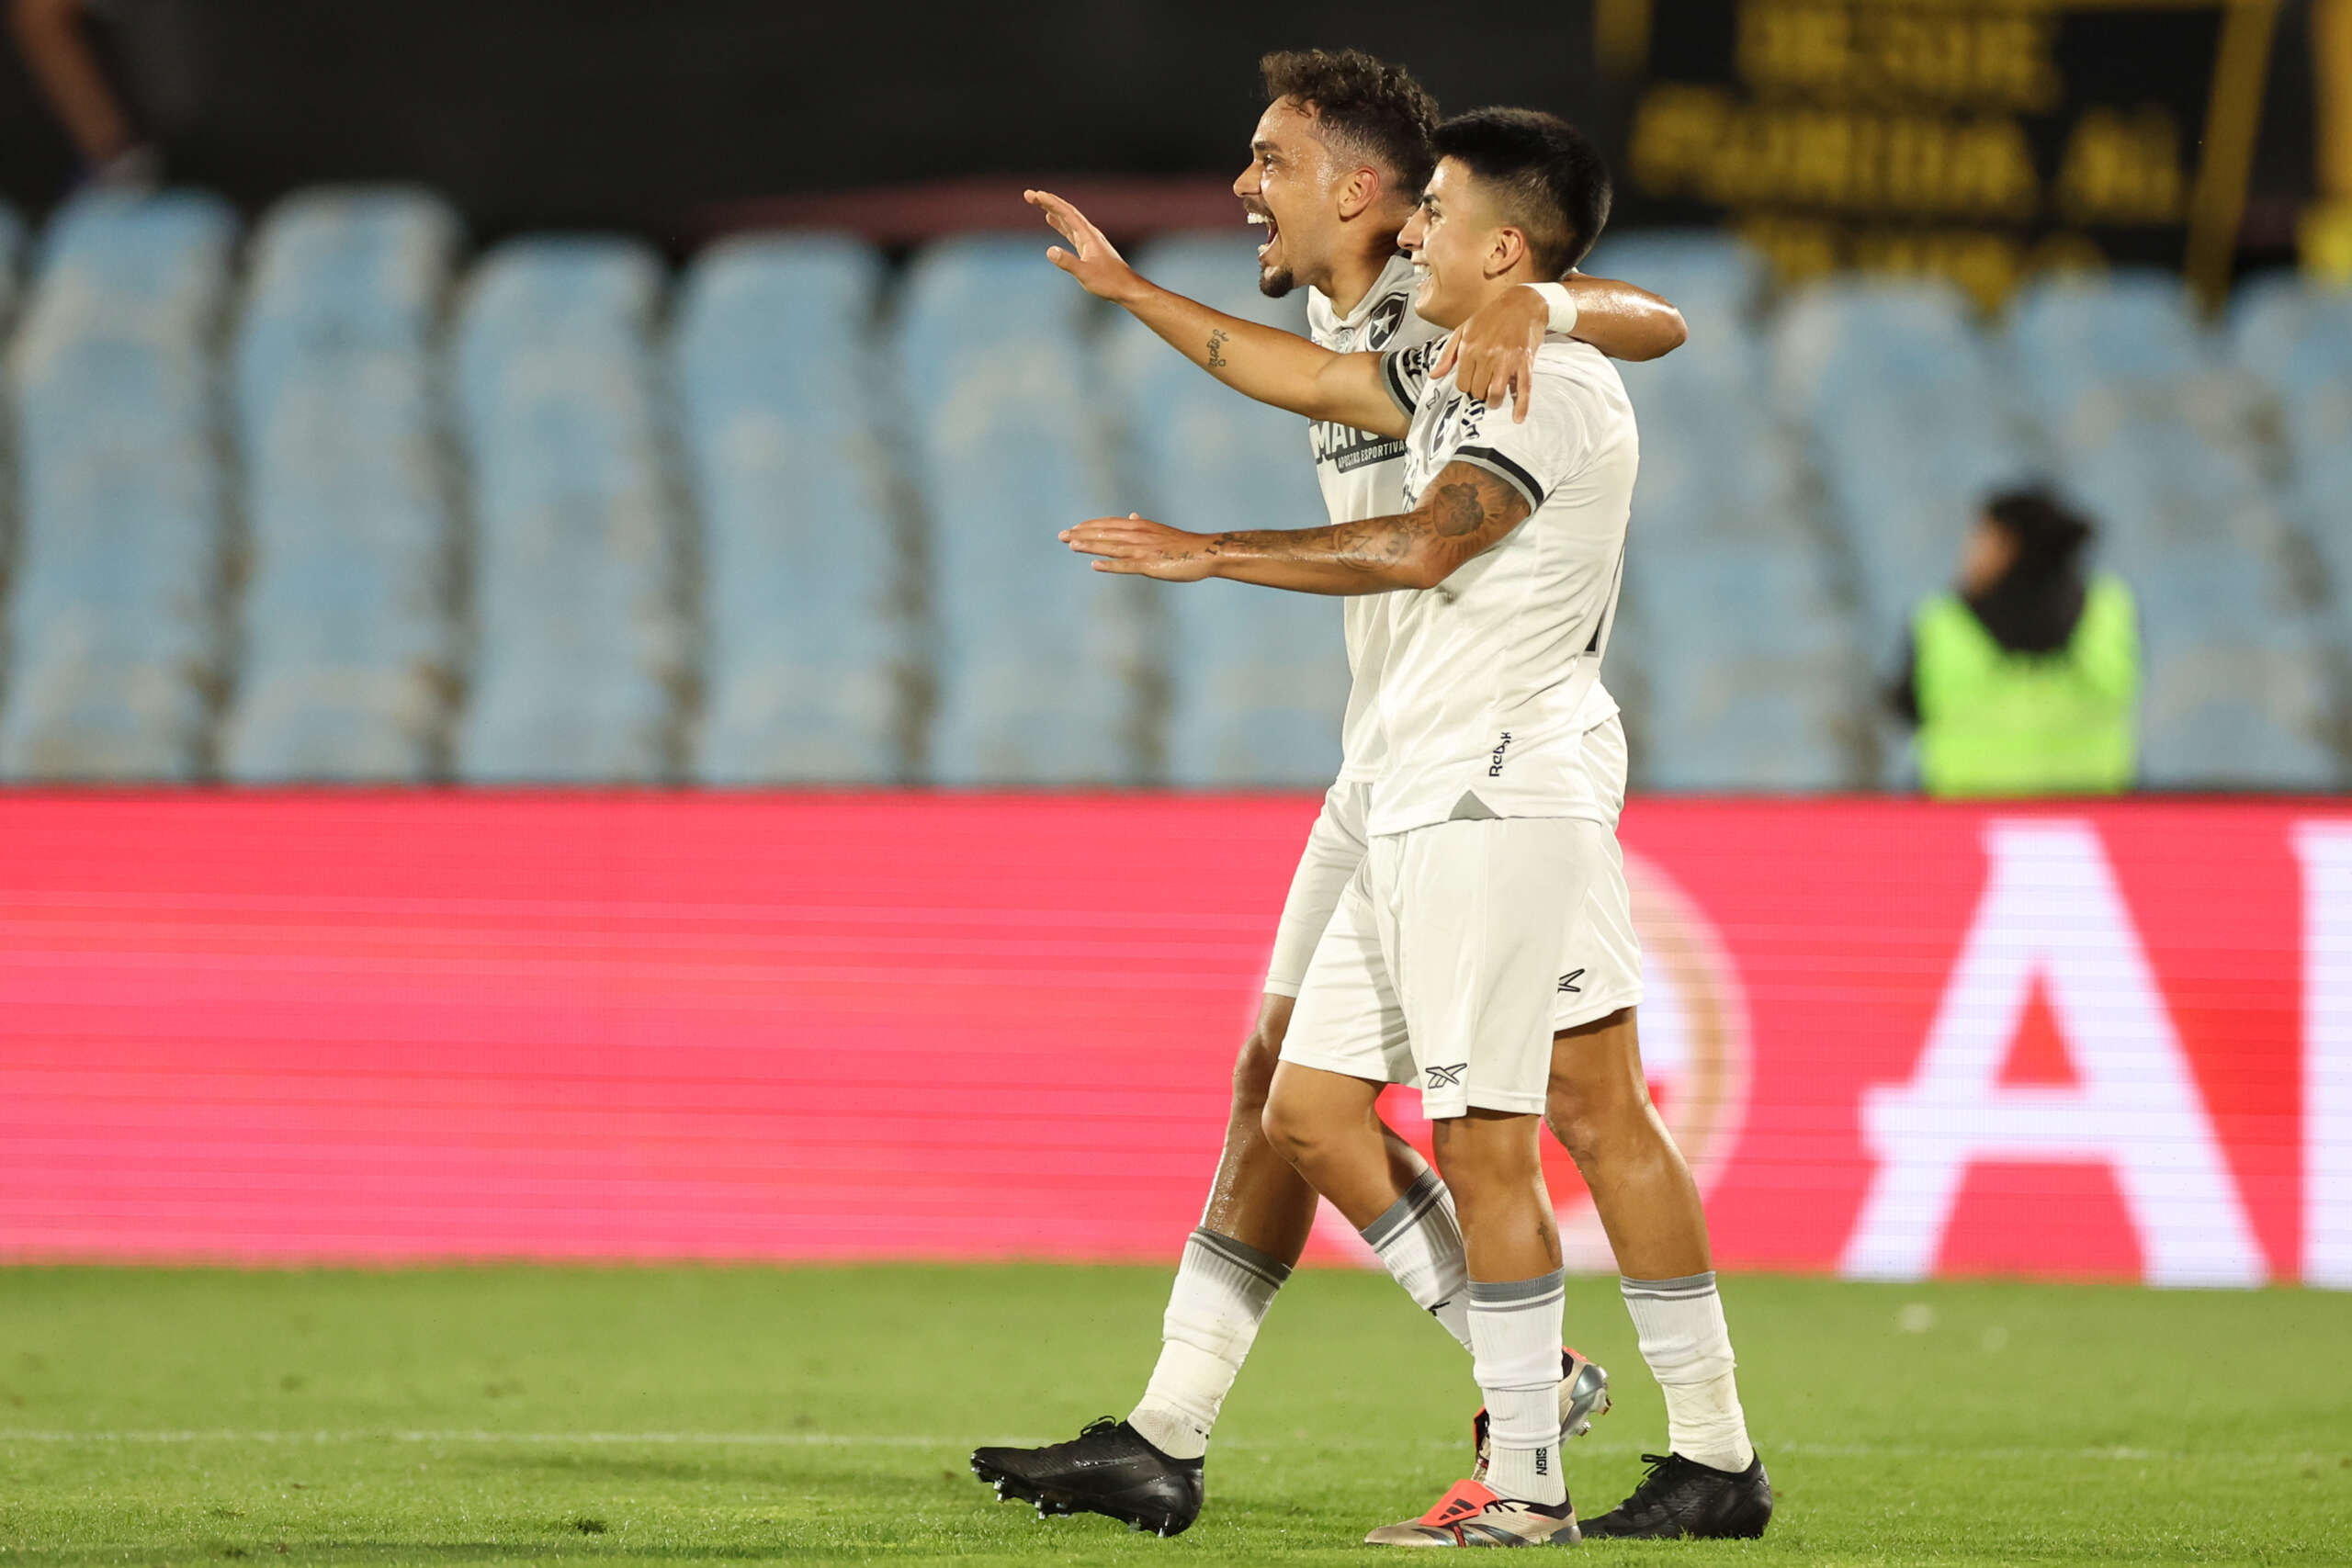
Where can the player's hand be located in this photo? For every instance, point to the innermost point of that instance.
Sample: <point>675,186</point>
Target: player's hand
<point>1137,546</point>
<point>1497,349</point>
<point>1092,259</point>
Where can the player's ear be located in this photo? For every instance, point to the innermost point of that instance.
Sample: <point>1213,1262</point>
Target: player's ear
<point>1359,192</point>
<point>1509,247</point>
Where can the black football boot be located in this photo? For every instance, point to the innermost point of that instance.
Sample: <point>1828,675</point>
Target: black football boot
<point>1106,1468</point>
<point>1682,1499</point>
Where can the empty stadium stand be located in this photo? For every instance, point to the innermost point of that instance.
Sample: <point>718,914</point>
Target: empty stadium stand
<point>806,564</point>
<point>582,642</point>
<point>1036,661</point>
<point>349,648</point>
<point>116,635</point>
<point>337,501</point>
<point>1256,681</point>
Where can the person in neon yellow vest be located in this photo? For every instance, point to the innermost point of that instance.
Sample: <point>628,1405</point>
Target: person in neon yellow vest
<point>2024,680</point>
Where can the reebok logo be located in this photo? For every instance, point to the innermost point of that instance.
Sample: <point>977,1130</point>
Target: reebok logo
<point>1448,1077</point>
<point>1495,766</point>
<point>1568,981</point>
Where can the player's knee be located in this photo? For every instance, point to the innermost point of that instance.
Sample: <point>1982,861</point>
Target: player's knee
<point>1485,1150</point>
<point>1288,1128</point>
<point>1575,1110</point>
<point>1595,1098</point>
<point>1570,1116</point>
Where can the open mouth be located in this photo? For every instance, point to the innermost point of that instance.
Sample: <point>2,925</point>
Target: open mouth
<point>1273,230</point>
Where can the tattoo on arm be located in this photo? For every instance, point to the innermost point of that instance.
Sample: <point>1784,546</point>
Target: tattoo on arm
<point>1464,514</point>
<point>1456,509</point>
<point>1218,337</point>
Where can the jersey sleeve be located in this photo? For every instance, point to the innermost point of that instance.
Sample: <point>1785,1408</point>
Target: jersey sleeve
<point>1535,456</point>
<point>1405,371</point>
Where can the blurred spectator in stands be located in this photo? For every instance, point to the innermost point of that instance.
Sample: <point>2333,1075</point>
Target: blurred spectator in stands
<point>2025,679</point>
<point>63,57</point>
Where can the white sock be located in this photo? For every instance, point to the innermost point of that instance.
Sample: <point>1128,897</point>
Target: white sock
<point>1515,1338</point>
<point>1683,1337</point>
<point>1420,1241</point>
<point>1223,1289</point>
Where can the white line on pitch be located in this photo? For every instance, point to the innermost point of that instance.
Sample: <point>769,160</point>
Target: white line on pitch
<point>905,1440</point>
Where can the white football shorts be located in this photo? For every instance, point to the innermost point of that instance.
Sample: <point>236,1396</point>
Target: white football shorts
<point>1604,961</point>
<point>1602,972</point>
<point>1441,964</point>
<point>1334,849</point>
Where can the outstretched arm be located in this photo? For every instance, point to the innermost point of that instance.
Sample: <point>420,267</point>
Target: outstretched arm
<point>1265,363</point>
<point>1465,512</point>
<point>1497,346</point>
<point>1623,321</point>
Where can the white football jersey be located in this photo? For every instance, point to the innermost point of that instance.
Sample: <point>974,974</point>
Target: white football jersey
<point>1362,477</point>
<point>1489,681</point>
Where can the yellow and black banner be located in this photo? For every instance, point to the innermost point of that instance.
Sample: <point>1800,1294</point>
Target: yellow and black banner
<point>1985,140</point>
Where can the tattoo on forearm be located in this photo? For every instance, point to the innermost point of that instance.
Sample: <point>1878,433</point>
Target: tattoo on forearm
<point>1218,336</point>
<point>1461,516</point>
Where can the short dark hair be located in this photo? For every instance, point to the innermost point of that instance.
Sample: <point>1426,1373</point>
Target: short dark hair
<point>2050,535</point>
<point>1553,182</point>
<point>1374,107</point>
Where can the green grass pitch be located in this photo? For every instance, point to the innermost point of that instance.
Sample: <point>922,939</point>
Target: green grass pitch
<point>712,1415</point>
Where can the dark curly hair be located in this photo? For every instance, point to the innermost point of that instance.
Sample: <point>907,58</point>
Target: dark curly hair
<point>1375,108</point>
<point>1554,185</point>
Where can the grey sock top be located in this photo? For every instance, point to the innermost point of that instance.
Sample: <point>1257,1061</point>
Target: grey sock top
<point>1403,1214</point>
<point>1242,1255</point>
<point>1682,1287</point>
<point>1510,1294</point>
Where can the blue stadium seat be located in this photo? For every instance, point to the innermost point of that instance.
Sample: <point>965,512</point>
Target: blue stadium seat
<point>2153,432</point>
<point>148,267</point>
<point>1715,279</point>
<point>1036,653</point>
<point>2320,495</point>
<point>2237,710</point>
<point>2168,489</point>
<point>115,596</point>
<point>2295,339</point>
<point>101,723</point>
<point>2132,332</point>
<point>1752,735</point>
<point>1258,680</point>
<point>329,722</point>
<point>1901,333</point>
<point>581,638</point>
<point>354,264</point>
<point>804,592</point>
<point>349,636</point>
<point>1737,664</point>
<point>2294,335</point>
<point>551,719</point>
<point>1909,425</point>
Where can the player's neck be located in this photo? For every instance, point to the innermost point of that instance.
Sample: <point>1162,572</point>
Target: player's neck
<point>1353,277</point>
